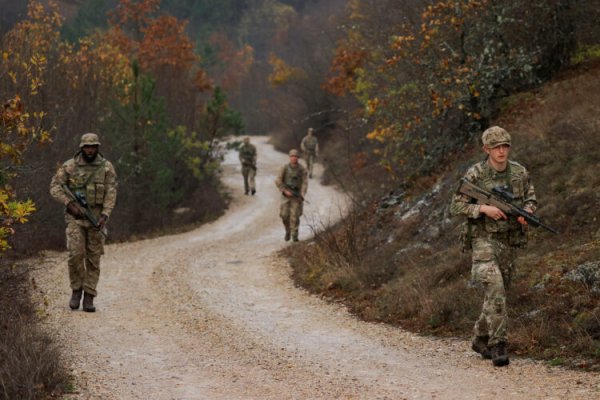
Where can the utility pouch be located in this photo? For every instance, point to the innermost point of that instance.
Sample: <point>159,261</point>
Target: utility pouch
<point>518,237</point>
<point>466,236</point>
<point>492,226</point>
<point>100,191</point>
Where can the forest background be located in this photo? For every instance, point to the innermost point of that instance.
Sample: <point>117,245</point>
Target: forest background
<point>398,93</point>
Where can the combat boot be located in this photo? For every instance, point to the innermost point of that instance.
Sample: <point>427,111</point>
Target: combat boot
<point>295,238</point>
<point>88,302</point>
<point>499,355</point>
<point>287,236</point>
<point>480,345</point>
<point>75,299</point>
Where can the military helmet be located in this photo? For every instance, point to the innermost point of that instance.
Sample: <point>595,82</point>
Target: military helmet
<point>495,136</point>
<point>294,152</point>
<point>89,139</point>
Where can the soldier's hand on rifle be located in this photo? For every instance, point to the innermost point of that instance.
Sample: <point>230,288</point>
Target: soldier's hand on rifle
<point>102,221</point>
<point>74,210</point>
<point>493,212</point>
<point>522,220</point>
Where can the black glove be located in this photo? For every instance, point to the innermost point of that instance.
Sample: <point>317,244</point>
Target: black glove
<point>102,221</point>
<point>74,210</point>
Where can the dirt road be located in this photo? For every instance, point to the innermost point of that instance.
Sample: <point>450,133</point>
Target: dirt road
<point>213,314</point>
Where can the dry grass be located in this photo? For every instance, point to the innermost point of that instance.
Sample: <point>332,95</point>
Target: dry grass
<point>29,360</point>
<point>406,267</point>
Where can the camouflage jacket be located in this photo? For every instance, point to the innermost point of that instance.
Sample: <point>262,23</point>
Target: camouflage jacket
<point>96,180</point>
<point>292,178</point>
<point>248,154</point>
<point>310,145</point>
<point>482,174</point>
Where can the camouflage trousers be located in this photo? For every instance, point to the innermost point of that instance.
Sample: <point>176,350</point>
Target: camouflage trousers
<point>310,161</point>
<point>290,211</point>
<point>493,264</point>
<point>85,245</point>
<point>249,173</point>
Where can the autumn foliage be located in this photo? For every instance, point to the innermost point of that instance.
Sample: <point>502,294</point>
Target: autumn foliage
<point>156,40</point>
<point>25,53</point>
<point>140,85</point>
<point>232,63</point>
<point>437,78</point>
<point>345,66</point>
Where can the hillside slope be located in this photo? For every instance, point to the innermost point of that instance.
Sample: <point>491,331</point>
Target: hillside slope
<point>400,261</point>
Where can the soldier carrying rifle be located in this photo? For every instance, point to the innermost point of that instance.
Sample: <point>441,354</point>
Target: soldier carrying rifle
<point>310,150</point>
<point>87,186</point>
<point>493,236</point>
<point>292,182</point>
<point>247,158</point>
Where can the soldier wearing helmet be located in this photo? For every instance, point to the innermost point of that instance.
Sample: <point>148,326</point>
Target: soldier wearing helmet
<point>493,239</point>
<point>247,158</point>
<point>310,150</point>
<point>91,177</point>
<point>292,182</point>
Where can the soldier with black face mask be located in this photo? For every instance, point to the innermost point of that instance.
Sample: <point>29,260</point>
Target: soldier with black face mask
<point>87,178</point>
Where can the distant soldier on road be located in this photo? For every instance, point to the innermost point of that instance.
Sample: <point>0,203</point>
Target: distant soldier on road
<point>248,160</point>
<point>494,238</point>
<point>86,179</point>
<point>292,182</point>
<point>310,150</point>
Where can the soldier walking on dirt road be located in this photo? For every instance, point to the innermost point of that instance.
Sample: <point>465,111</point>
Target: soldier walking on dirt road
<point>494,238</point>
<point>292,182</point>
<point>87,186</point>
<point>310,150</point>
<point>248,159</point>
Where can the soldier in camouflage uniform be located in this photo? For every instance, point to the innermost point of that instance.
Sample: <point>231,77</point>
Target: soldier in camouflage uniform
<point>493,239</point>
<point>292,182</point>
<point>248,159</point>
<point>89,174</point>
<point>310,150</point>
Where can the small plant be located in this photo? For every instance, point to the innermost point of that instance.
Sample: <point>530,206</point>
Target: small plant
<point>557,361</point>
<point>585,53</point>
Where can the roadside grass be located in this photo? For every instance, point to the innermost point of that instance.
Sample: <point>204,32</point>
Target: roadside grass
<point>30,365</point>
<point>403,265</point>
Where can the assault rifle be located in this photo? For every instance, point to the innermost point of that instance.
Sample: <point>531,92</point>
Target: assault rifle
<point>501,198</point>
<point>296,194</point>
<point>250,164</point>
<point>83,204</point>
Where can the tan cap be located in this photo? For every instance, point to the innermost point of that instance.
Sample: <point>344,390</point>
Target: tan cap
<point>89,139</point>
<point>247,139</point>
<point>293,152</point>
<point>495,136</point>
